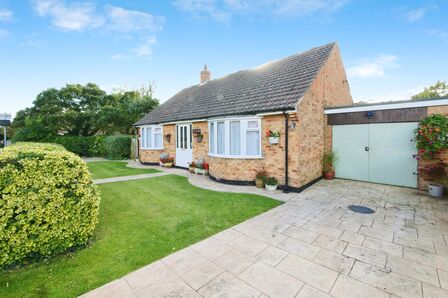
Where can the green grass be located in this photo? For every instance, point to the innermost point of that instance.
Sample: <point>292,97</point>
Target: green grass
<point>108,169</point>
<point>140,221</point>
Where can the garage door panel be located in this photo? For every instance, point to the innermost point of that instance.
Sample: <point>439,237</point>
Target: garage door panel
<point>390,155</point>
<point>349,142</point>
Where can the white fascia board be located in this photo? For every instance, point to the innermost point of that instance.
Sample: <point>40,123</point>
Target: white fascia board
<point>276,113</point>
<point>391,106</point>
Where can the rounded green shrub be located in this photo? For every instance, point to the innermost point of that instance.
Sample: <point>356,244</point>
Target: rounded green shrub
<point>118,147</point>
<point>48,203</point>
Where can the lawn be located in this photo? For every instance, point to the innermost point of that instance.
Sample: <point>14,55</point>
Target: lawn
<point>108,169</point>
<point>140,221</point>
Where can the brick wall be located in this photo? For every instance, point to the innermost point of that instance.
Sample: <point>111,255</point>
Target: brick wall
<point>330,88</point>
<point>422,183</point>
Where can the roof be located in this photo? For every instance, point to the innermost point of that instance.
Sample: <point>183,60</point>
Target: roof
<point>274,86</point>
<point>388,105</point>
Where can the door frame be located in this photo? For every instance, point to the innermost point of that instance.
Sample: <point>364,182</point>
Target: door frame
<point>184,144</point>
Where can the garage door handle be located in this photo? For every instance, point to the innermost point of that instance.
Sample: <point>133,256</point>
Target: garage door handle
<point>366,148</point>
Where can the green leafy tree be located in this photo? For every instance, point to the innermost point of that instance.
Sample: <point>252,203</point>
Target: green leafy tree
<point>82,110</point>
<point>438,90</point>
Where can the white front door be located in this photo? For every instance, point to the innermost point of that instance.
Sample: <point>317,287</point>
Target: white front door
<point>184,149</point>
<point>380,153</point>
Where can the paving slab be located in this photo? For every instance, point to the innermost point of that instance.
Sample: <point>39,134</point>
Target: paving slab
<point>311,246</point>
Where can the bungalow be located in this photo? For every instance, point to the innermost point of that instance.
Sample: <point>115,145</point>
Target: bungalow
<point>234,112</point>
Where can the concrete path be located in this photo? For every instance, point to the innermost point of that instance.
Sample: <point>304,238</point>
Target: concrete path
<point>311,246</point>
<point>126,178</point>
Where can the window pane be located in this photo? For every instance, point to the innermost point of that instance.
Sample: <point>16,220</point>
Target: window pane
<point>235,137</point>
<point>252,124</point>
<point>221,136</point>
<point>185,138</point>
<point>158,138</point>
<point>212,137</point>
<point>253,142</point>
<point>148,137</point>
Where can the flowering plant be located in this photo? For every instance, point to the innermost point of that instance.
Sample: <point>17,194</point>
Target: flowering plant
<point>201,164</point>
<point>272,134</point>
<point>192,164</point>
<point>166,158</point>
<point>431,136</point>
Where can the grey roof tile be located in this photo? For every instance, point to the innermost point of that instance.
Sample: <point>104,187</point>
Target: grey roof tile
<point>274,86</point>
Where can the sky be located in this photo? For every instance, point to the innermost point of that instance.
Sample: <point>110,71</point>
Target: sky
<point>390,49</point>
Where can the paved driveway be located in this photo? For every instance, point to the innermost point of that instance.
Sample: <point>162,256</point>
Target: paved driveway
<point>312,246</point>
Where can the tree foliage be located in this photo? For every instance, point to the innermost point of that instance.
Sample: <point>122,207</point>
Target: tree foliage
<point>438,90</point>
<point>83,110</point>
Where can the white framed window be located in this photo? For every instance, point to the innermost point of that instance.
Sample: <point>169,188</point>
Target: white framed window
<point>235,137</point>
<point>151,137</point>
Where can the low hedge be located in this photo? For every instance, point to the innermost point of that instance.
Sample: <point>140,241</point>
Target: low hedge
<point>83,146</point>
<point>48,203</point>
<point>118,147</point>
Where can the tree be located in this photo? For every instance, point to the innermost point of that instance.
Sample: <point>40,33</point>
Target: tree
<point>83,110</point>
<point>438,90</point>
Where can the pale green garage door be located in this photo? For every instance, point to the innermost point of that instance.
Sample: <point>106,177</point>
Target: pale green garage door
<point>380,153</point>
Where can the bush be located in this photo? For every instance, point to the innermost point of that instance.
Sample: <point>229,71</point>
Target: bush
<point>432,136</point>
<point>83,146</point>
<point>48,203</point>
<point>118,147</point>
<point>29,135</point>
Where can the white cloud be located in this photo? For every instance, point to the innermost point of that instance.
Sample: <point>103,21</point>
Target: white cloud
<point>5,15</point>
<point>73,17</point>
<point>418,13</point>
<point>439,34</point>
<point>373,68</point>
<point>222,10</point>
<point>122,20</point>
<point>135,25</point>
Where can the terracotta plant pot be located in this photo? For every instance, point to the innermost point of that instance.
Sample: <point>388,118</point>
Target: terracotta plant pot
<point>329,175</point>
<point>259,183</point>
<point>191,169</point>
<point>271,187</point>
<point>168,165</point>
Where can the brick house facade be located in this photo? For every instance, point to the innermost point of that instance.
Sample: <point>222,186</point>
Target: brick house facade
<point>329,87</point>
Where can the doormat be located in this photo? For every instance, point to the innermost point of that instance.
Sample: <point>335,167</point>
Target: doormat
<point>361,209</point>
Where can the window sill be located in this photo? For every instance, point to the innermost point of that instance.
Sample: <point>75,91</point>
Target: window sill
<point>142,148</point>
<point>236,156</point>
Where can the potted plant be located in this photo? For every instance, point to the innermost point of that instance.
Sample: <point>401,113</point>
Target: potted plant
<point>201,167</point>
<point>436,174</point>
<point>166,160</point>
<point>259,179</point>
<point>270,183</point>
<point>273,136</point>
<point>191,166</point>
<point>330,158</point>
<point>198,137</point>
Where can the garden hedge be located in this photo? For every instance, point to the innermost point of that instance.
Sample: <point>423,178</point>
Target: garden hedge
<point>118,147</point>
<point>83,146</point>
<point>48,203</point>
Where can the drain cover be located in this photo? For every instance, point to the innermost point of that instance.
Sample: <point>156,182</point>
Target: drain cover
<point>361,209</point>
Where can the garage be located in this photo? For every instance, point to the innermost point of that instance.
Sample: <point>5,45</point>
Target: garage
<point>374,143</point>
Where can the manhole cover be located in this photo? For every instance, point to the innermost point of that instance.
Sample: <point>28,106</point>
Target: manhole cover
<point>361,209</point>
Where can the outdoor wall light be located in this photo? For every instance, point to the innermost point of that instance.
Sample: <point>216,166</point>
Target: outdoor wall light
<point>293,125</point>
<point>370,114</point>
